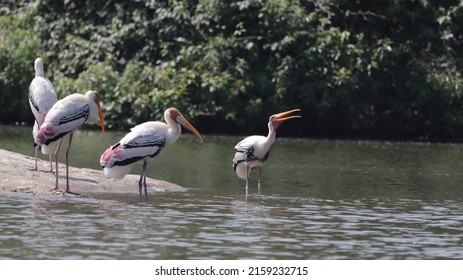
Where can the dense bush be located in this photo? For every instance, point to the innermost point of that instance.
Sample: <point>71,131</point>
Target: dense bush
<point>18,48</point>
<point>361,68</point>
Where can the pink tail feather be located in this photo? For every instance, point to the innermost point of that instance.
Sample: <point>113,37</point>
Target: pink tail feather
<point>45,132</point>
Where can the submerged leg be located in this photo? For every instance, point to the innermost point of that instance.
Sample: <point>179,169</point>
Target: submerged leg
<point>258,182</point>
<point>140,185</point>
<point>68,190</point>
<point>145,185</point>
<point>142,181</point>
<point>247,180</point>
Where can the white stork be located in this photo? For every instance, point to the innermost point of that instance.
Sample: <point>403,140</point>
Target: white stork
<point>143,141</point>
<point>254,150</point>
<point>67,115</point>
<point>42,97</point>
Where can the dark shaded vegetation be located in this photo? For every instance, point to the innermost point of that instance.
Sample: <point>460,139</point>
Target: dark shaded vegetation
<point>375,69</point>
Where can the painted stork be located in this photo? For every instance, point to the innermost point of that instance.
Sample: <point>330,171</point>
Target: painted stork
<point>42,97</point>
<point>143,141</point>
<point>253,151</point>
<point>67,115</point>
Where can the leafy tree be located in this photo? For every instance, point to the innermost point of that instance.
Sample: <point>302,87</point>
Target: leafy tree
<point>18,48</point>
<point>359,68</point>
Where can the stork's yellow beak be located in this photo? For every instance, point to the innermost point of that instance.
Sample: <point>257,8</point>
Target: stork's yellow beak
<point>181,120</point>
<point>284,116</point>
<point>100,114</point>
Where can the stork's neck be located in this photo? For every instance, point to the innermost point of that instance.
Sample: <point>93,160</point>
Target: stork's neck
<point>39,68</point>
<point>93,115</point>
<point>174,129</point>
<point>271,134</point>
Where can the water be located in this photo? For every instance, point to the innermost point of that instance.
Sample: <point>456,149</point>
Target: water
<point>321,200</point>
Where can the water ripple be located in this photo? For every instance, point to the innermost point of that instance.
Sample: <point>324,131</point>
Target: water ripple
<point>188,226</point>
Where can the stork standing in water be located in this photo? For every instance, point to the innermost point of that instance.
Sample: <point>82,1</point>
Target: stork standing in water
<point>143,141</point>
<point>67,115</point>
<point>253,151</point>
<point>42,97</point>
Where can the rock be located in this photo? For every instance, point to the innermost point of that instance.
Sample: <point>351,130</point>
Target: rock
<point>18,177</point>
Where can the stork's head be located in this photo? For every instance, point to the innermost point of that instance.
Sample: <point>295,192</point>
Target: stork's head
<point>38,67</point>
<point>277,119</point>
<point>96,98</point>
<point>175,115</point>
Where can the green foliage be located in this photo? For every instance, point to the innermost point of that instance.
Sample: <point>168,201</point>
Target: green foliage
<point>18,48</point>
<point>356,68</point>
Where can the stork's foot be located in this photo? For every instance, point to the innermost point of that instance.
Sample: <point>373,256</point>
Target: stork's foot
<point>34,169</point>
<point>69,192</point>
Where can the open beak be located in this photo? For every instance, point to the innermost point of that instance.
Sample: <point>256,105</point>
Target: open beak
<point>284,116</point>
<point>181,120</point>
<point>100,114</point>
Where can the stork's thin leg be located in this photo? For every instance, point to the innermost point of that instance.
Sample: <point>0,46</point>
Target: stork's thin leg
<point>68,151</point>
<point>36,168</point>
<point>258,182</point>
<point>140,185</point>
<point>247,180</point>
<point>142,181</point>
<point>145,185</point>
<point>67,161</point>
<point>51,165</point>
<point>56,189</point>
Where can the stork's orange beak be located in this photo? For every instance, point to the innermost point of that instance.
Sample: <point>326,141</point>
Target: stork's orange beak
<point>100,114</point>
<point>284,116</point>
<point>181,120</point>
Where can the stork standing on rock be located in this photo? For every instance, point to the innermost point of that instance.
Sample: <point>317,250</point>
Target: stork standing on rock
<point>42,97</point>
<point>142,142</point>
<point>253,151</point>
<point>67,115</point>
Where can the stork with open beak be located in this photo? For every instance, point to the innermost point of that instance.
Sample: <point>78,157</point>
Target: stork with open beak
<point>253,151</point>
<point>42,97</point>
<point>67,115</point>
<point>142,142</point>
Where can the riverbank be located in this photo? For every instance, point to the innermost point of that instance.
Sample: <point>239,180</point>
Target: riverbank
<point>17,177</point>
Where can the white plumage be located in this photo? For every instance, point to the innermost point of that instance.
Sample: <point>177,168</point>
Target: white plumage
<point>67,115</point>
<point>42,97</point>
<point>143,141</point>
<point>253,151</point>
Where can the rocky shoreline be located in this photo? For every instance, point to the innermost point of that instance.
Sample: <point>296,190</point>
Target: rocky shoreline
<point>16,176</point>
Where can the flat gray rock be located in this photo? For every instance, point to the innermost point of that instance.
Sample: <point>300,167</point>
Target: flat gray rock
<point>16,176</point>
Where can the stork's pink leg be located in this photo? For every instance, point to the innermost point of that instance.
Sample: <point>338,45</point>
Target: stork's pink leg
<point>56,189</point>
<point>67,166</point>
<point>51,165</point>
<point>36,152</point>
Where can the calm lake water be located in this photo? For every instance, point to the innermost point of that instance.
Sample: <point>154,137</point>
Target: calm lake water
<point>320,200</point>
